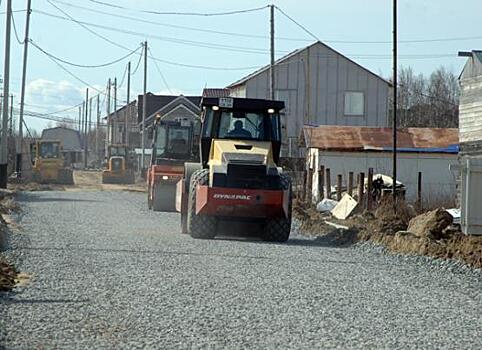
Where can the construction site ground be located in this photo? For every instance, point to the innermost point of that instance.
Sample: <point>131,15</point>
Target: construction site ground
<point>84,180</point>
<point>100,270</point>
<point>390,230</point>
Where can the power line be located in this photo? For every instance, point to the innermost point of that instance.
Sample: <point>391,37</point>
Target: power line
<point>70,73</point>
<point>159,60</point>
<point>87,28</point>
<point>123,77</point>
<point>160,72</point>
<point>59,111</point>
<point>187,42</point>
<point>138,62</point>
<point>206,14</point>
<point>21,42</point>
<point>83,65</point>
<point>169,25</point>
<point>411,41</point>
<point>297,23</point>
<point>53,118</point>
<point>235,48</point>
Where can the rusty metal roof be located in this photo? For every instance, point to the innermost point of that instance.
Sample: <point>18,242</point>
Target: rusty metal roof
<point>354,138</point>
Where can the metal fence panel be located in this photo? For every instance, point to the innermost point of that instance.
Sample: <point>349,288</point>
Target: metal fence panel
<point>471,204</point>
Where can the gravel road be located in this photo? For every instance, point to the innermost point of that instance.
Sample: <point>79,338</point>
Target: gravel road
<point>109,274</point>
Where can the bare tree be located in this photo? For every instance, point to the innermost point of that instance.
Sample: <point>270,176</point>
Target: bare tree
<point>427,102</point>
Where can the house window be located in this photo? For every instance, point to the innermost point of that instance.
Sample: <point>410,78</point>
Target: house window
<point>354,103</point>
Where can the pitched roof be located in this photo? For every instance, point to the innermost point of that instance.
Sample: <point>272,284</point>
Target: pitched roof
<point>215,92</point>
<point>473,66</point>
<point>294,53</point>
<point>157,102</point>
<point>354,138</point>
<point>70,138</point>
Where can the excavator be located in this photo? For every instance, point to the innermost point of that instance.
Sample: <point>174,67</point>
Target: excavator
<point>48,165</point>
<point>120,167</point>
<point>172,146</point>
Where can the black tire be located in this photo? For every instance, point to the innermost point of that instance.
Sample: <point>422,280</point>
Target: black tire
<point>278,229</point>
<point>199,226</point>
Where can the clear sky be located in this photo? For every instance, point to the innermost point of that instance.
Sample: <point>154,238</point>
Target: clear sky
<point>346,25</point>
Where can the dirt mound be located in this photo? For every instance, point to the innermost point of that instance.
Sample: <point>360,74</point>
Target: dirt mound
<point>389,228</point>
<point>431,224</point>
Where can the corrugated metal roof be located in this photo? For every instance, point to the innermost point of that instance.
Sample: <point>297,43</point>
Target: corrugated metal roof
<point>353,138</point>
<point>215,92</point>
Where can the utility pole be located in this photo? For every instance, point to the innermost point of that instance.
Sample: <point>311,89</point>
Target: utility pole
<point>6,92</point>
<point>85,127</point>
<point>89,128</point>
<point>10,128</point>
<point>22,94</point>
<point>394,127</point>
<point>126,129</point>
<point>144,108</point>
<point>97,129</point>
<point>82,122</point>
<point>107,130</point>
<point>114,123</point>
<point>80,118</point>
<point>271,67</point>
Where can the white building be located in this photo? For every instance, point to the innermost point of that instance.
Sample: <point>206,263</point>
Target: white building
<point>355,149</point>
<point>470,124</point>
<point>319,86</point>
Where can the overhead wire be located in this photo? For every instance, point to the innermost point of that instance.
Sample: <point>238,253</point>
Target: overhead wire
<point>169,25</point>
<point>123,77</point>
<point>110,63</point>
<point>138,62</point>
<point>58,111</point>
<point>160,72</point>
<point>72,74</point>
<point>159,60</point>
<point>232,48</point>
<point>21,42</point>
<point>204,44</point>
<point>203,14</point>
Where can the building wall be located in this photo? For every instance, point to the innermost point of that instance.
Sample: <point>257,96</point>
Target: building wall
<point>438,181</point>
<point>70,138</point>
<point>313,84</point>
<point>470,112</point>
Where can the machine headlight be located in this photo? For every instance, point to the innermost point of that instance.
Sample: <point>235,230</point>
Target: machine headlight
<point>165,177</point>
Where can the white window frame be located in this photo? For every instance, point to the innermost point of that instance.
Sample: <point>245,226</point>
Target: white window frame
<point>351,113</point>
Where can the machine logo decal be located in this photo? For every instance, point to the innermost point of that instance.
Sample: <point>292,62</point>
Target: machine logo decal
<point>232,196</point>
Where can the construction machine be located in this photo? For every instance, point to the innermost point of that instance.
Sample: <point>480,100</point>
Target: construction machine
<point>120,165</point>
<point>238,178</point>
<point>172,146</point>
<point>48,164</point>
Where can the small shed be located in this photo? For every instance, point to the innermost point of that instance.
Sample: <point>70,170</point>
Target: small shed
<point>345,149</point>
<point>70,139</point>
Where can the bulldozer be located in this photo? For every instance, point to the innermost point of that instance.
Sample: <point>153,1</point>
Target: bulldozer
<point>48,164</point>
<point>172,146</point>
<point>120,168</point>
<point>238,178</point>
